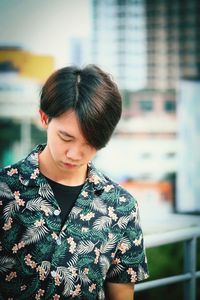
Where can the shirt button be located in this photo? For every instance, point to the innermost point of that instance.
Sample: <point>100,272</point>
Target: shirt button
<point>56,212</point>
<point>53,274</point>
<point>58,241</point>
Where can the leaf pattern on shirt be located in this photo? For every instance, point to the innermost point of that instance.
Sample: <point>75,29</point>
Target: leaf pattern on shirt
<point>123,221</point>
<point>5,191</point>
<point>104,265</point>
<point>33,234</point>
<point>98,205</point>
<point>100,240</point>
<point>10,209</point>
<point>39,204</point>
<point>116,271</point>
<point>108,245</point>
<point>68,279</point>
<point>102,222</point>
<point>75,212</point>
<point>6,263</point>
<point>45,191</point>
<point>85,247</point>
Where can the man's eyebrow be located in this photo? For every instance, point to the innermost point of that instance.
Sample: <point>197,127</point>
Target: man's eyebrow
<point>65,133</point>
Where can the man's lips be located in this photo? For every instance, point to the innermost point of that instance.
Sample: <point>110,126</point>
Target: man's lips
<point>69,165</point>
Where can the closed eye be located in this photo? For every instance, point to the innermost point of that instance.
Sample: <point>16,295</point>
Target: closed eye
<point>65,136</point>
<point>65,139</point>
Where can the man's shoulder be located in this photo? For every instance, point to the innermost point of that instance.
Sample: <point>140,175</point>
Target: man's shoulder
<point>117,197</point>
<point>117,186</point>
<point>112,186</point>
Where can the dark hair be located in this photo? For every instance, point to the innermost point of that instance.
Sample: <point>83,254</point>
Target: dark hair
<point>93,96</point>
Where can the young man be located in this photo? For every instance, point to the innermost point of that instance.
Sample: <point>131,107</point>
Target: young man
<point>68,231</point>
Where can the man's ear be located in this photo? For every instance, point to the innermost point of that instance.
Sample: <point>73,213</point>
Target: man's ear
<point>44,119</point>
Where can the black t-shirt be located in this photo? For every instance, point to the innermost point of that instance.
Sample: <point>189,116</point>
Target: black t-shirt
<point>65,195</point>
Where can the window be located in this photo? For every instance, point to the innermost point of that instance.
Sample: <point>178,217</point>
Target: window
<point>146,155</point>
<point>170,106</point>
<point>170,154</point>
<point>146,105</point>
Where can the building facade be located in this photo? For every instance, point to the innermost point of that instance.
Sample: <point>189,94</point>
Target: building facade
<point>119,40</point>
<point>173,48</point>
<point>148,46</point>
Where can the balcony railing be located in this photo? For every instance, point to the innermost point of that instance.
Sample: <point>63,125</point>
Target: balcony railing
<point>189,238</point>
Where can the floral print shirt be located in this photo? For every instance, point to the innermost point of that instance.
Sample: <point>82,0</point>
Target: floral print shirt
<point>40,259</point>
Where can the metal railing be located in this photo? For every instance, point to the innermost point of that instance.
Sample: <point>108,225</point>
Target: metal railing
<point>190,274</point>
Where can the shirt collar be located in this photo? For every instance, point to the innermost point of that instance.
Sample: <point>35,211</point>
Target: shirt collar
<point>96,178</point>
<point>30,174</point>
<point>29,169</point>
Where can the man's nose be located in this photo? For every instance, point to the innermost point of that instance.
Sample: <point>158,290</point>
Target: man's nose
<point>74,154</point>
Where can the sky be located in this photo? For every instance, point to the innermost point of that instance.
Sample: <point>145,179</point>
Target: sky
<point>44,26</point>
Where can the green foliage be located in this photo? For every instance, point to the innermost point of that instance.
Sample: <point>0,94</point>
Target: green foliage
<point>164,261</point>
<point>9,133</point>
<point>167,261</point>
<point>38,136</point>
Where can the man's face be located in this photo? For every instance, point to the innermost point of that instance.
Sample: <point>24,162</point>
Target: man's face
<point>68,150</point>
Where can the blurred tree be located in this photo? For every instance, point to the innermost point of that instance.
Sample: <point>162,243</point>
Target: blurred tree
<point>38,136</point>
<point>9,133</point>
<point>167,261</point>
<point>164,261</point>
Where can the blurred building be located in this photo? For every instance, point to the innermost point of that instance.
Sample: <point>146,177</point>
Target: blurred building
<point>188,179</point>
<point>158,42</point>
<point>18,96</point>
<point>18,106</point>
<point>141,149</point>
<point>79,51</point>
<point>119,40</point>
<point>29,65</point>
<point>173,47</point>
<point>21,76</point>
<point>147,44</point>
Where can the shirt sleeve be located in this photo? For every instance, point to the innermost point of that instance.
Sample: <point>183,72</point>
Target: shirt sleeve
<point>130,263</point>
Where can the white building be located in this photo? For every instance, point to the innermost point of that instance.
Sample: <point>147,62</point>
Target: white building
<point>119,40</point>
<point>143,150</point>
<point>188,171</point>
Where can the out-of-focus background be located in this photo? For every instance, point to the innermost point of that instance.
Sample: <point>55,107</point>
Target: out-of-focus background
<point>152,50</point>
